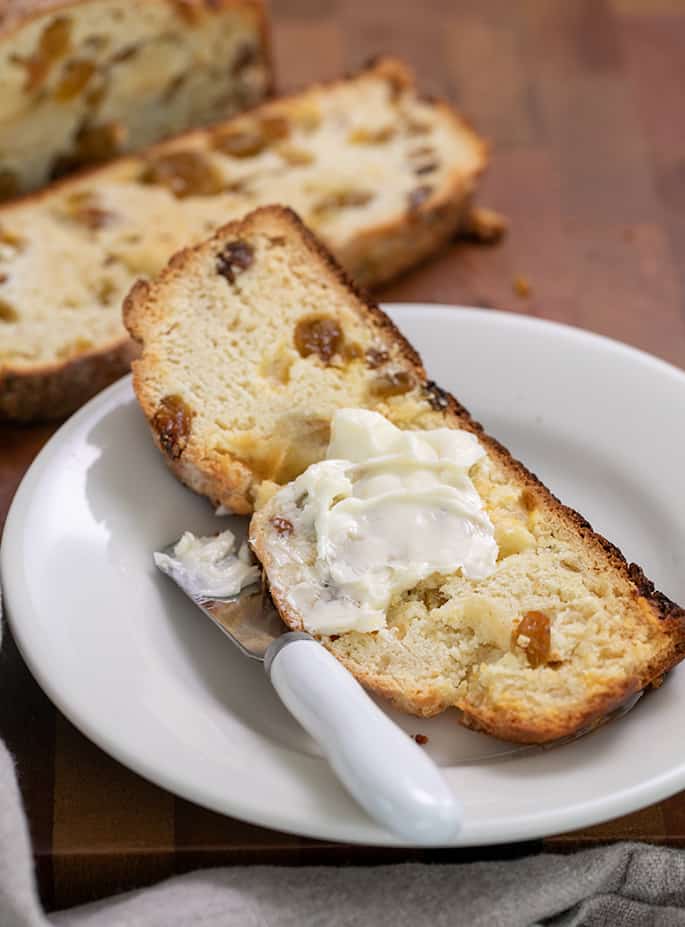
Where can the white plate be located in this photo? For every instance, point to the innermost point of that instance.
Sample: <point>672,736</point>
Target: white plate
<point>123,654</point>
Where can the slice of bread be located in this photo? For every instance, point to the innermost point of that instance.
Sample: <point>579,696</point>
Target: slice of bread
<point>384,176</point>
<point>85,80</point>
<point>251,341</point>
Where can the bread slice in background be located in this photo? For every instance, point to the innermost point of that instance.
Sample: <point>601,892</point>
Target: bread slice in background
<point>86,80</point>
<point>250,342</point>
<point>385,177</point>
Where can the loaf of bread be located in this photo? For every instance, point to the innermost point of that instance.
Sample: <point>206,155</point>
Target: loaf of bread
<point>384,176</point>
<point>85,80</point>
<point>250,343</point>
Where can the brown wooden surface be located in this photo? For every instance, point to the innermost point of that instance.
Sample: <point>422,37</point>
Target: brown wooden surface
<point>582,102</point>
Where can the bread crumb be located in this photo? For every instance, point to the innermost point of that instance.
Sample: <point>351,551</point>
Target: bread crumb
<point>484,226</point>
<point>522,286</point>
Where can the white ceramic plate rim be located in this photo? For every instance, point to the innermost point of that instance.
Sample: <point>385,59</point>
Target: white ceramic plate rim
<point>247,807</point>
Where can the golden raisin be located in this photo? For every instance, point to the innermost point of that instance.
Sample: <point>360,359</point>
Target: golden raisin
<point>55,40</point>
<point>53,44</point>
<point>275,128</point>
<point>93,217</point>
<point>321,336</point>
<point>11,239</point>
<point>363,136</point>
<point>173,421</point>
<point>9,184</point>
<point>184,173</point>
<point>342,199</point>
<point>282,526</point>
<point>7,312</point>
<point>529,499</point>
<point>92,144</point>
<point>97,143</point>
<point>76,75</point>
<point>295,156</point>
<point>392,383</point>
<point>252,138</point>
<point>234,257</point>
<point>239,143</point>
<point>535,626</point>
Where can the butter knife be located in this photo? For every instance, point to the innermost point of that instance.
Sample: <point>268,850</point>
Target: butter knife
<point>381,767</point>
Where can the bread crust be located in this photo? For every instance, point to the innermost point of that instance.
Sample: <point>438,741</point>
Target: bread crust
<point>55,390</point>
<point>393,247</point>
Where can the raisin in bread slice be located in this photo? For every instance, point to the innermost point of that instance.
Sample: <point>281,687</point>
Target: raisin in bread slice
<point>251,342</point>
<point>85,80</point>
<point>384,176</point>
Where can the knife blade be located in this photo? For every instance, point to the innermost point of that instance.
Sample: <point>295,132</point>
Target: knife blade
<point>381,767</point>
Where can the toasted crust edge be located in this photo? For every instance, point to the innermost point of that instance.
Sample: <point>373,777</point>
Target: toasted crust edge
<point>56,390</point>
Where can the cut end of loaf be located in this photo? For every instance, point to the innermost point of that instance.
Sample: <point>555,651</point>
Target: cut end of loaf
<point>383,176</point>
<point>84,82</point>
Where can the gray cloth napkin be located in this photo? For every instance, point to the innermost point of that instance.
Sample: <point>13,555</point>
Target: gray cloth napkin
<point>629,885</point>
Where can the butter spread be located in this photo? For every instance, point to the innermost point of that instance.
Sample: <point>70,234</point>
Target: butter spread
<point>210,567</point>
<point>387,508</point>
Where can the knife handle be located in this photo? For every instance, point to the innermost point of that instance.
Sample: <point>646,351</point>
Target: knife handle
<point>381,767</point>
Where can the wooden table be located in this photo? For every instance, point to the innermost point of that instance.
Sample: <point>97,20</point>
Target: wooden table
<point>582,101</point>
